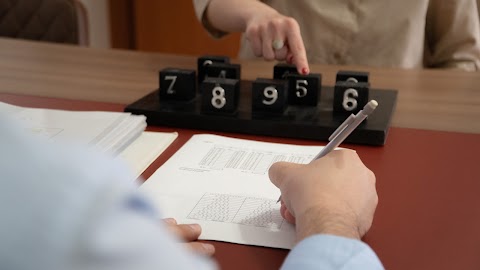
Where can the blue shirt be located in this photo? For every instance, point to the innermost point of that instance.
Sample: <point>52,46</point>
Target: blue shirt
<point>65,207</point>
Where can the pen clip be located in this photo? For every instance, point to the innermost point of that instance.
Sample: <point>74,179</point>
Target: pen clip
<point>342,127</point>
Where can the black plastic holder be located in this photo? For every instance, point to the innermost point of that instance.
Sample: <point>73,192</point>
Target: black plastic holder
<point>301,122</point>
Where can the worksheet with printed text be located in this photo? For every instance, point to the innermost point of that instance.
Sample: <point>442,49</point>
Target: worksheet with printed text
<point>222,183</point>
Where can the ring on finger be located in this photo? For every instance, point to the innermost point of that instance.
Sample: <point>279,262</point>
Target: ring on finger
<point>278,44</point>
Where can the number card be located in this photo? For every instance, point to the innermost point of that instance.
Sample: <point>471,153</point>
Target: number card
<point>177,84</point>
<point>352,76</point>
<point>349,97</point>
<point>206,60</point>
<point>220,95</point>
<point>224,71</point>
<point>269,96</point>
<point>304,89</point>
<point>282,70</point>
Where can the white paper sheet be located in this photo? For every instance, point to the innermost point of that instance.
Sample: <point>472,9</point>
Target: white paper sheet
<point>145,149</point>
<point>222,183</point>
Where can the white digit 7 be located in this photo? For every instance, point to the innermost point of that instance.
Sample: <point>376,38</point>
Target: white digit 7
<point>170,90</point>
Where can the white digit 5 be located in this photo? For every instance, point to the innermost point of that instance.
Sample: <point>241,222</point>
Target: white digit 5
<point>349,102</point>
<point>271,94</point>
<point>170,90</point>
<point>301,90</point>
<point>218,97</point>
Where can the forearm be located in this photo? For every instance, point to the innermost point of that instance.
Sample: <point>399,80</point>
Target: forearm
<point>453,35</point>
<point>233,15</point>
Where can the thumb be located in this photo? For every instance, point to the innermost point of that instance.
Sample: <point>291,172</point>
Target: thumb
<point>280,172</point>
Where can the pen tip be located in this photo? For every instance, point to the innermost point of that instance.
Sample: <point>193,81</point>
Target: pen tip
<point>373,103</point>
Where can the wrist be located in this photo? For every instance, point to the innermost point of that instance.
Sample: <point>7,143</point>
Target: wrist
<point>257,12</point>
<point>235,15</point>
<point>320,220</point>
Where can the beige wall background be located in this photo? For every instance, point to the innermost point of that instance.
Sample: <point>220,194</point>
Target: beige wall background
<point>98,23</point>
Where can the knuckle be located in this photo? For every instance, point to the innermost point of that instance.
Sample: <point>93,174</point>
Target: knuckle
<point>269,56</point>
<point>257,52</point>
<point>277,171</point>
<point>275,23</point>
<point>252,31</point>
<point>291,23</point>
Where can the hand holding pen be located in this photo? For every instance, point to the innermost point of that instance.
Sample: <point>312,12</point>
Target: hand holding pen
<point>345,129</point>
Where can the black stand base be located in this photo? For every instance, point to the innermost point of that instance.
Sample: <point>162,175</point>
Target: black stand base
<point>316,123</point>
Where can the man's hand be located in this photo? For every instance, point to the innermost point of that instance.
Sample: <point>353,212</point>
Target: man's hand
<point>332,195</point>
<point>189,233</point>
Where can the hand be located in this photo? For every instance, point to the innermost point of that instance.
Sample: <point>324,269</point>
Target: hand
<point>332,195</point>
<point>269,26</point>
<point>189,233</point>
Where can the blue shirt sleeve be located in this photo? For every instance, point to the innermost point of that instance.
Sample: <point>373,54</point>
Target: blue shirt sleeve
<point>66,207</point>
<point>331,252</point>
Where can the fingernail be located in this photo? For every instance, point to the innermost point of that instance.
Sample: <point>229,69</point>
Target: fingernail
<point>170,221</point>
<point>209,248</point>
<point>195,227</point>
<point>305,71</point>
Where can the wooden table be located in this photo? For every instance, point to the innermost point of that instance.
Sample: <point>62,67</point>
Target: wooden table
<point>428,99</point>
<point>427,180</point>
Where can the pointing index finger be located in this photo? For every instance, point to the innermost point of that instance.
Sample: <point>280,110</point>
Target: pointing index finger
<point>297,49</point>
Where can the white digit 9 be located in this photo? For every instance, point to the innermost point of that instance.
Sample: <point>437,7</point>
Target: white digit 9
<point>301,90</point>
<point>271,95</point>
<point>218,97</point>
<point>349,102</point>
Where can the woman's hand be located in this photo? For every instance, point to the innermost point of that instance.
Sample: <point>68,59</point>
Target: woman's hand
<point>274,36</point>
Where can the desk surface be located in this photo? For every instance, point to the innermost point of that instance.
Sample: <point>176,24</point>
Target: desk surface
<point>428,99</point>
<point>428,215</point>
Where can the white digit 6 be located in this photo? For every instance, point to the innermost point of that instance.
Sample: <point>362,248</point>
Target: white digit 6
<point>349,102</point>
<point>270,93</point>
<point>352,79</point>
<point>301,90</point>
<point>218,97</point>
<point>170,90</point>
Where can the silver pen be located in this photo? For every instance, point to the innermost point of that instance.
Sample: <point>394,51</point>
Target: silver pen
<point>344,130</point>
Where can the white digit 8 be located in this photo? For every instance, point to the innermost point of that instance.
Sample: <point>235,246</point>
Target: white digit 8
<point>218,97</point>
<point>301,90</point>
<point>349,102</point>
<point>270,93</point>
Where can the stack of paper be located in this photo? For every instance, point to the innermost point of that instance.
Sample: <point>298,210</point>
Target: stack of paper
<point>108,131</point>
<point>119,134</point>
